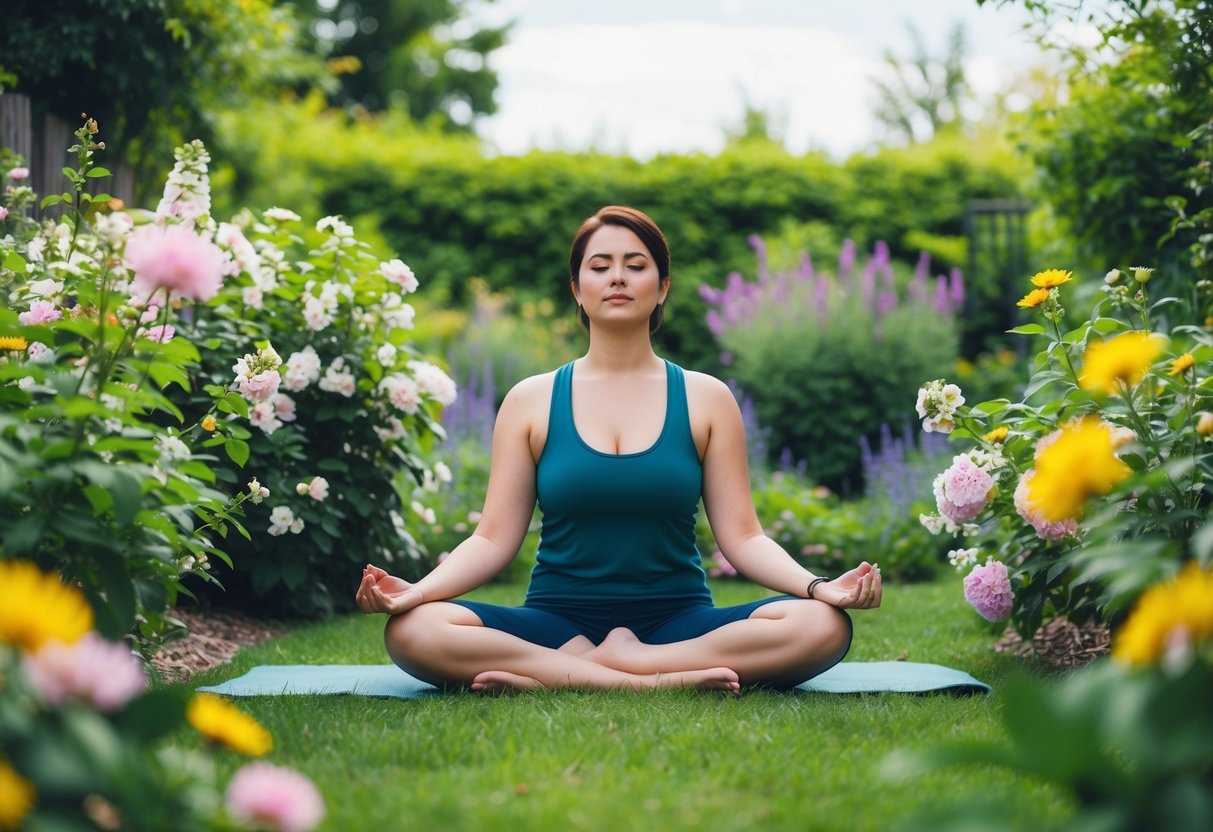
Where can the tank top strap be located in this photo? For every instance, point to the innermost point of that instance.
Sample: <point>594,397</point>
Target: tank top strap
<point>560,414</point>
<point>678,411</point>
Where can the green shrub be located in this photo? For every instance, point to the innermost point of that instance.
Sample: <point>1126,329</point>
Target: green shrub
<point>830,359</point>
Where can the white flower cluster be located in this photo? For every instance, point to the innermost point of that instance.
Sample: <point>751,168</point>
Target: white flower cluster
<point>258,380</point>
<point>317,489</point>
<point>337,379</point>
<point>937,404</point>
<point>257,491</point>
<point>302,369</point>
<point>432,381</point>
<point>283,520</point>
<point>187,193</point>
<point>171,449</point>
<point>318,309</point>
<point>400,274</point>
<point>396,314</point>
<point>963,559</point>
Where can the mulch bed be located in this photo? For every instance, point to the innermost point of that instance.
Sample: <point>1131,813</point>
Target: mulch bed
<point>1060,644</point>
<point>214,637</point>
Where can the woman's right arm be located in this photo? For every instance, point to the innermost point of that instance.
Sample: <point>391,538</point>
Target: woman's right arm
<point>508,506</point>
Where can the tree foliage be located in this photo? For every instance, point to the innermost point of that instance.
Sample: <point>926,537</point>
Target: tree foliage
<point>924,94</point>
<point>425,58</point>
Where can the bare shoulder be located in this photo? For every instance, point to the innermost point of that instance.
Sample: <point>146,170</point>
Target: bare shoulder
<point>708,395</point>
<point>525,410</point>
<point>531,392</point>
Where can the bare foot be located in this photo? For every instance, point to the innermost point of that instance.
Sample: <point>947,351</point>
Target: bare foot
<point>715,678</point>
<point>618,650</point>
<point>499,681</point>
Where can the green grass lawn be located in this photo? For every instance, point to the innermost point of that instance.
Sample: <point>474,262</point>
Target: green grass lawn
<point>661,760</point>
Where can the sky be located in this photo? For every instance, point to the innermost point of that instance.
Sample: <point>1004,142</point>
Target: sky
<point>647,77</point>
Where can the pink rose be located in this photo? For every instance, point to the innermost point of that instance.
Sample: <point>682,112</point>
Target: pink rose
<point>162,334</point>
<point>265,796</point>
<point>40,312</point>
<point>3,213</point>
<point>318,489</point>
<point>18,174</point>
<point>93,670</point>
<point>174,258</point>
<point>962,491</point>
<point>988,590</point>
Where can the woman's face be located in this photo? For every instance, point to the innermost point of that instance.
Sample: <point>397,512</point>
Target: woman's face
<point>618,279</point>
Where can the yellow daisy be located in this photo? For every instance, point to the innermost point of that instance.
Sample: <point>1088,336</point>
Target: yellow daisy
<point>221,722</point>
<point>1050,278</point>
<point>1182,363</point>
<point>1166,616</point>
<point>1109,366</point>
<point>1078,464</point>
<point>16,797</point>
<point>13,343</point>
<point>35,607</point>
<point>1033,299</point>
<point>997,435</point>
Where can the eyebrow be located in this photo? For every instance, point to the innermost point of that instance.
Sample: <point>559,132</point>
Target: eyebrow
<point>625,256</point>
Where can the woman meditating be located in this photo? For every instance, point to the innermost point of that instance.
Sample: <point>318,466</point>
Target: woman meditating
<point>618,446</point>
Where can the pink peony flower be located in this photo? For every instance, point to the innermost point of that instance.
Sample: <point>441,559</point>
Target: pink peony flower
<point>265,796</point>
<point>162,334</point>
<point>174,258</point>
<point>3,213</point>
<point>105,674</point>
<point>988,590</point>
<point>963,490</point>
<point>18,174</point>
<point>260,387</point>
<point>40,312</point>
<point>1044,529</point>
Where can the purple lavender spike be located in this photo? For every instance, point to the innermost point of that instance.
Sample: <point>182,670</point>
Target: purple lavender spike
<point>941,304</point>
<point>726,358</point>
<point>956,290</point>
<point>760,249</point>
<point>881,252</point>
<point>734,284</point>
<point>821,298</point>
<point>885,303</point>
<point>923,268</point>
<point>868,285</point>
<point>806,267</point>
<point>846,259</point>
<point>709,294</point>
<point>715,323</point>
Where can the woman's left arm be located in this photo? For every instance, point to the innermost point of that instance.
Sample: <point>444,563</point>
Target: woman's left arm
<point>730,509</point>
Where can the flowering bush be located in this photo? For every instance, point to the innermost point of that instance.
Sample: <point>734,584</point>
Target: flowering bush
<point>829,358</point>
<point>86,742</point>
<point>1094,485</point>
<point>102,475</point>
<point>1129,738</point>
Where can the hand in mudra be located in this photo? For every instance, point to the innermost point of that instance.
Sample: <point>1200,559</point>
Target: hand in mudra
<point>858,589</point>
<point>381,592</point>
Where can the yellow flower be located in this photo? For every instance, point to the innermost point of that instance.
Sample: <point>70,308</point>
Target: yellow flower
<point>16,797</point>
<point>1182,363</point>
<point>1109,366</point>
<point>1168,616</point>
<point>35,607</point>
<point>13,343</point>
<point>997,435</point>
<point>1078,464</point>
<point>208,422</point>
<point>1050,278</point>
<point>221,722</point>
<point>1033,299</point>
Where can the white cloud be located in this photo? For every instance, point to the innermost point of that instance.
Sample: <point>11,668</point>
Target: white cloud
<point>647,88</point>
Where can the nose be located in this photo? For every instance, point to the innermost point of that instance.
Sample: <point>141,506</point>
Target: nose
<point>618,276</point>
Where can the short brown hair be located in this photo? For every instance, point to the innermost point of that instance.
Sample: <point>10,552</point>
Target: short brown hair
<point>642,225</point>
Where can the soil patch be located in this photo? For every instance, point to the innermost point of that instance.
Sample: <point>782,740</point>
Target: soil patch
<point>1060,644</point>
<point>214,637</point>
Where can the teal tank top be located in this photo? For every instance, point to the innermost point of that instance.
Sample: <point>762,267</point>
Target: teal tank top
<point>618,526</point>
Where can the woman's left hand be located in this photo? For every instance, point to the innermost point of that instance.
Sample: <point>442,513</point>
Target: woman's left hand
<point>858,589</point>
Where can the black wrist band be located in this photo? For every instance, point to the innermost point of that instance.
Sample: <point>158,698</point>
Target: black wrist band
<point>813,585</point>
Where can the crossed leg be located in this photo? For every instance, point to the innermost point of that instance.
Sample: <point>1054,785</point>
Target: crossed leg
<point>448,645</point>
<point>780,644</point>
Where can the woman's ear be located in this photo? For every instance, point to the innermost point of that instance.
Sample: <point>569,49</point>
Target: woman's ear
<point>576,291</point>
<point>665,289</point>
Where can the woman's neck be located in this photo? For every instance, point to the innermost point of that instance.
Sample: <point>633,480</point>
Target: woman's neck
<point>619,353</point>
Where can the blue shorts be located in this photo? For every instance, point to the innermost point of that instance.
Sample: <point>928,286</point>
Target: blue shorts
<point>653,622</point>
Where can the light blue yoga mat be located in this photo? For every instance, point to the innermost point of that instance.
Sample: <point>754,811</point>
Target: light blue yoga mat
<point>389,680</point>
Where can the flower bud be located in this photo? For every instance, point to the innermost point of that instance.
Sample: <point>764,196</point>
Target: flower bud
<point>1141,274</point>
<point>1112,277</point>
<point>208,422</point>
<point>301,488</point>
<point>1204,424</point>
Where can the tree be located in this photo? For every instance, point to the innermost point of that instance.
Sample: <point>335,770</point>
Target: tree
<point>924,96</point>
<point>422,56</point>
<point>151,71</point>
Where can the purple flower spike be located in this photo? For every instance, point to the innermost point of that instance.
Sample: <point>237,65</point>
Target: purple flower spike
<point>956,289</point>
<point>941,303</point>
<point>923,269</point>
<point>806,267</point>
<point>846,259</point>
<point>715,323</point>
<point>885,304</point>
<point>712,296</point>
<point>881,252</point>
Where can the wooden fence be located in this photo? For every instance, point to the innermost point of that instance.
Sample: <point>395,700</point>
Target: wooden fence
<point>43,140</point>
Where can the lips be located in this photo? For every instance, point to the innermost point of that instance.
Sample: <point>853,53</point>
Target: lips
<point>617,297</point>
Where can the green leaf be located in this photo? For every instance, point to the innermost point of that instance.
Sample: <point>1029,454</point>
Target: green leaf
<point>97,173</point>
<point>1202,544</point>
<point>153,715</point>
<point>1027,329</point>
<point>237,450</point>
<point>14,262</point>
<point>53,199</point>
<point>100,197</point>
